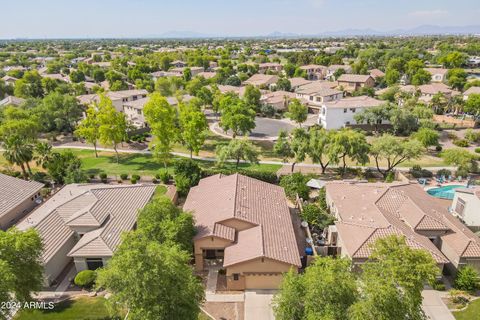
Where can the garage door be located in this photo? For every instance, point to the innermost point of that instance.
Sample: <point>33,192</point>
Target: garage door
<point>263,281</point>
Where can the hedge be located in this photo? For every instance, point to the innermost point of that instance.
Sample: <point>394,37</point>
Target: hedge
<point>269,177</point>
<point>85,278</point>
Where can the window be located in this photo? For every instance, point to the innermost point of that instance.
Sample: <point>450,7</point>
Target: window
<point>352,109</point>
<point>236,276</point>
<point>345,110</point>
<point>94,263</point>
<point>460,207</point>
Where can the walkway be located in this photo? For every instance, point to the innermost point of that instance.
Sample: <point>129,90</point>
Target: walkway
<point>434,307</point>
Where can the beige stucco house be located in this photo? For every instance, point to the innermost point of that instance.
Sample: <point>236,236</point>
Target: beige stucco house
<point>246,225</point>
<point>17,198</point>
<point>83,223</point>
<point>365,212</point>
<point>353,82</point>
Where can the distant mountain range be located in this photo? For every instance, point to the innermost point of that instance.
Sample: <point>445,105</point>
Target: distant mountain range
<point>417,31</point>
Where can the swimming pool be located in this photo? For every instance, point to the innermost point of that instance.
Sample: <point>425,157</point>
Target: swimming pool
<point>446,192</point>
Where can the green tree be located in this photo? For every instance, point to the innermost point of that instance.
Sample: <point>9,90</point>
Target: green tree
<point>65,167</point>
<point>454,59</point>
<point>428,137</point>
<point>58,112</point>
<point>295,184</point>
<point>458,157</point>
<point>252,96</point>
<point>403,121</point>
<point>284,84</point>
<point>187,74</point>
<point>457,78</point>
<point>42,154</point>
<point>297,111</point>
<point>237,149</point>
<point>472,105</point>
<point>392,77</point>
<point>77,76</point>
<point>21,271</point>
<point>194,126</point>
<point>162,221</point>
<point>300,145</point>
<point>30,86</point>
<point>421,77</point>
<point>288,302</point>
<point>152,280</point>
<point>319,146</point>
<point>374,115</point>
<point>392,281</point>
<point>112,127</point>
<point>236,115</point>
<point>282,147</point>
<point>18,151</point>
<point>162,118</point>
<point>393,151</point>
<point>88,128</point>
<point>348,143</point>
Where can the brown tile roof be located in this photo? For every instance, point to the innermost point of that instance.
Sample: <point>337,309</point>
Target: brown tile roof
<point>113,209</point>
<point>14,191</point>
<point>261,79</point>
<point>220,198</point>
<point>369,211</point>
<point>354,102</point>
<point>322,88</point>
<point>353,77</point>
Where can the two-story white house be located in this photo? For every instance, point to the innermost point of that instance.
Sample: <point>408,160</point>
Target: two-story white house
<point>317,93</point>
<point>466,206</point>
<point>337,114</point>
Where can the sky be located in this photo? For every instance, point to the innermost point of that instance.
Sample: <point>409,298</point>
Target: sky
<point>145,18</point>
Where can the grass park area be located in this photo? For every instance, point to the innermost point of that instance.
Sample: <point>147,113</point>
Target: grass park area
<point>472,312</point>
<point>81,308</point>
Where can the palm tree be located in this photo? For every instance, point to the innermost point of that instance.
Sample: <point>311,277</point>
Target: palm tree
<point>18,152</point>
<point>43,154</point>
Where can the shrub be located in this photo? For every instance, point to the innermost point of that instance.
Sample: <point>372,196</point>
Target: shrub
<point>417,172</point>
<point>315,216</point>
<point>440,286</point>
<point>266,176</point>
<point>472,136</point>
<point>461,172</point>
<point>164,176</point>
<point>438,148</point>
<point>477,150</point>
<point>91,176</point>
<point>119,181</point>
<point>136,177</point>
<point>458,296</point>
<point>154,180</point>
<point>444,172</point>
<point>133,180</point>
<point>124,176</point>
<point>294,184</point>
<point>189,169</point>
<point>85,278</point>
<point>182,183</point>
<point>222,272</point>
<point>390,177</point>
<point>103,176</point>
<point>461,143</point>
<point>467,279</point>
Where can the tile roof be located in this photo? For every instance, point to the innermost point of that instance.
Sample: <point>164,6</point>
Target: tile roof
<point>109,209</point>
<point>261,79</point>
<point>11,100</point>
<point>320,88</point>
<point>354,102</point>
<point>14,191</point>
<point>474,90</point>
<point>354,77</point>
<point>263,205</point>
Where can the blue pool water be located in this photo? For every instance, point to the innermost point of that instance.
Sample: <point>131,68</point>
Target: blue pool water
<point>446,192</point>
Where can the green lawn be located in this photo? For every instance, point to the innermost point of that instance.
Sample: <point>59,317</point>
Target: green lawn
<point>83,308</point>
<point>471,313</point>
<point>143,164</point>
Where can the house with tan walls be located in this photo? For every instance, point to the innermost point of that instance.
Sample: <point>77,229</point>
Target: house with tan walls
<point>244,224</point>
<point>353,82</point>
<point>119,98</point>
<point>365,212</point>
<point>82,223</point>
<point>17,198</point>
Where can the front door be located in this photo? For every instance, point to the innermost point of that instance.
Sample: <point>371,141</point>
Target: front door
<point>210,254</point>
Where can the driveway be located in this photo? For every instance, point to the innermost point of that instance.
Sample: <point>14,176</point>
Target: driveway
<point>258,304</point>
<point>434,307</point>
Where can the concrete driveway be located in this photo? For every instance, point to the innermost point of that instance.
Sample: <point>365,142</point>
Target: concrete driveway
<point>258,304</point>
<point>434,307</point>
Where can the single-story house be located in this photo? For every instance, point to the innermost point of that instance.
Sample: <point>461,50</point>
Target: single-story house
<point>12,101</point>
<point>353,82</point>
<point>376,74</point>
<point>365,212</point>
<point>246,225</point>
<point>337,114</point>
<point>84,223</point>
<point>262,80</point>
<point>17,198</point>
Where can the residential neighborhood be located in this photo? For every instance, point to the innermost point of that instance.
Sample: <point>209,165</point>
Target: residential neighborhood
<point>281,160</point>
